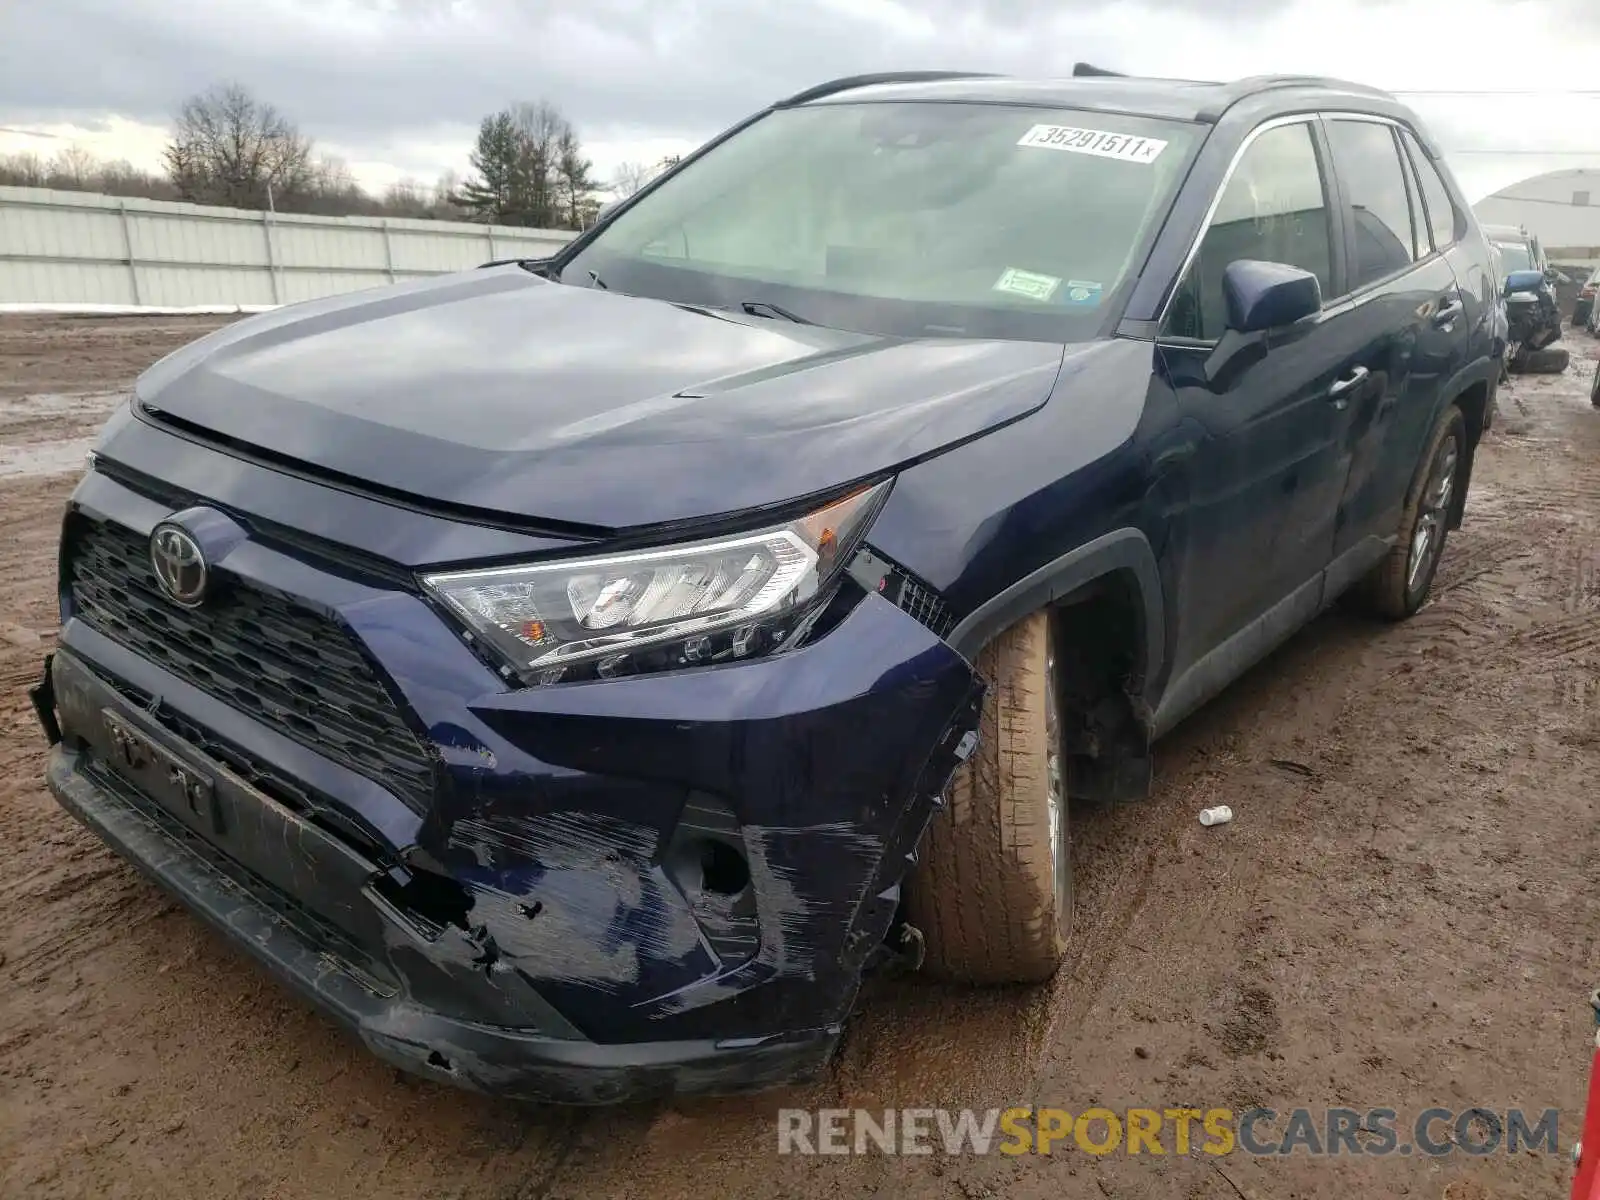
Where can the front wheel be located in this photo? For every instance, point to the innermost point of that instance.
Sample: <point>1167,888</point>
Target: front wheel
<point>992,893</point>
<point>1399,584</point>
<point>1552,360</point>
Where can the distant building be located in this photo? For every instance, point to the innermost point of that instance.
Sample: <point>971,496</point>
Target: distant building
<point>1561,208</point>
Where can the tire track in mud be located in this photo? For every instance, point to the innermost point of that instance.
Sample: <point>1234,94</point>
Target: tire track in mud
<point>1418,704</point>
<point>1562,639</point>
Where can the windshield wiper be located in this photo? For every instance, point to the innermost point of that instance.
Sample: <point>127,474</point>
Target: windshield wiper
<point>762,308</point>
<point>598,282</point>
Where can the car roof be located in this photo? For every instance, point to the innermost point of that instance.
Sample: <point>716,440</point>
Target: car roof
<point>1094,89</point>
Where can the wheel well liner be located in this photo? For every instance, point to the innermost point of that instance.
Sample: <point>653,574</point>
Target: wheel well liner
<point>1473,401</point>
<point>1124,551</point>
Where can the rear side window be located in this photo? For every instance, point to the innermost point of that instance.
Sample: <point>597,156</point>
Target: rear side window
<point>1368,163</point>
<point>1273,209</point>
<point>1441,212</point>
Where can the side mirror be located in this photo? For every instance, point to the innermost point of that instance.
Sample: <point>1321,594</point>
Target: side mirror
<point>1524,281</point>
<point>1262,296</point>
<point>1262,300</point>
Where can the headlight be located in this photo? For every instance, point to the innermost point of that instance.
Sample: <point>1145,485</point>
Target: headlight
<point>701,602</point>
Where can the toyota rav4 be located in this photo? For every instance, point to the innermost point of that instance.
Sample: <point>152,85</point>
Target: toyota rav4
<point>573,675</point>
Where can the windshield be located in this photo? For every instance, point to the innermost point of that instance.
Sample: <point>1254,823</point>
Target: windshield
<point>1515,256</point>
<point>908,219</point>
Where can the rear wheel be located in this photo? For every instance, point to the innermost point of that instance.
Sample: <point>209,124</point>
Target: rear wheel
<point>992,893</point>
<point>1399,584</point>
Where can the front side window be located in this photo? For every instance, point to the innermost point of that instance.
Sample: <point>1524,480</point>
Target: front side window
<point>1273,209</point>
<point>910,219</point>
<point>1368,163</point>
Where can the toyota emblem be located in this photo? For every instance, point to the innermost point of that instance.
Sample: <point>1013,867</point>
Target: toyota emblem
<point>179,565</point>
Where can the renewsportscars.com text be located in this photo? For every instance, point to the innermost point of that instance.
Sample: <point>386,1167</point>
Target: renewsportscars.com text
<point>1372,1132</point>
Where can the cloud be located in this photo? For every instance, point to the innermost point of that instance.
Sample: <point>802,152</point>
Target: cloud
<point>398,86</point>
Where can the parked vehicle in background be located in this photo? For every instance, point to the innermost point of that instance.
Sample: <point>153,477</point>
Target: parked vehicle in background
<point>573,675</point>
<point>1584,311</point>
<point>1533,311</point>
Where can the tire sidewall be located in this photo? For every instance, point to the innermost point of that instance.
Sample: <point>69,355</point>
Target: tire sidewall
<point>1453,429</point>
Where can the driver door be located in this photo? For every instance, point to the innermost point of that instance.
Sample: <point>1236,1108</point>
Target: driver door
<point>1266,459</point>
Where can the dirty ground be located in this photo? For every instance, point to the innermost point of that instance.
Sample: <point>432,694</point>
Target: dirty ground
<point>1401,913</point>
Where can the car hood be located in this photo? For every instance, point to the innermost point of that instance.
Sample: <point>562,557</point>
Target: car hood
<point>500,392</point>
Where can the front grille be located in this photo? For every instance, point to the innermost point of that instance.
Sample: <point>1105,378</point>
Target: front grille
<point>293,670</point>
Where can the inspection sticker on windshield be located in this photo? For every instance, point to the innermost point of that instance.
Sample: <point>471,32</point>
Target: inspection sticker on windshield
<point>1081,293</point>
<point>1125,146</point>
<point>1027,283</point>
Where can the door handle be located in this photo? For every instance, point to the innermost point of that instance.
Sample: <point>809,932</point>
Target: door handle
<point>1339,391</point>
<point>1447,314</point>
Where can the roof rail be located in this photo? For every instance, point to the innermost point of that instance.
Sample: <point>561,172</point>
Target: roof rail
<point>1089,70</point>
<point>1252,85</point>
<point>850,82</point>
<point>1263,82</point>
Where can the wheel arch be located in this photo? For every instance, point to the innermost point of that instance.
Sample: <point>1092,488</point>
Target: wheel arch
<point>1472,391</point>
<point>1106,603</point>
<point>1123,552</point>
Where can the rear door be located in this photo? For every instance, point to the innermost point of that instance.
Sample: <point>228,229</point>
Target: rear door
<point>1469,254</point>
<point>1412,321</point>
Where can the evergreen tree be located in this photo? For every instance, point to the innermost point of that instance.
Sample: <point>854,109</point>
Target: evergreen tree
<point>494,194</point>
<point>530,170</point>
<point>575,176</point>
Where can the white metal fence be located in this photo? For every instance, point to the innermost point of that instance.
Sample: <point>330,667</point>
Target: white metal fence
<point>73,248</point>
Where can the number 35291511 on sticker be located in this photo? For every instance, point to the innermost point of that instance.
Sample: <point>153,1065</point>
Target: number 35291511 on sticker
<point>1098,142</point>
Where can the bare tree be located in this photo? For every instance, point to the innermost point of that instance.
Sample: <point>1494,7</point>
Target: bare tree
<point>122,178</point>
<point>446,200</point>
<point>72,168</point>
<point>630,177</point>
<point>229,148</point>
<point>23,170</point>
<point>405,198</point>
<point>78,170</point>
<point>540,128</point>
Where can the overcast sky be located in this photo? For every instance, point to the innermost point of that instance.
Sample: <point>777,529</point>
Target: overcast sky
<point>397,87</point>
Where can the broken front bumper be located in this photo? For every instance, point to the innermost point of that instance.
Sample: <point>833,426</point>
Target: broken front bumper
<point>526,941</point>
<point>554,1064</point>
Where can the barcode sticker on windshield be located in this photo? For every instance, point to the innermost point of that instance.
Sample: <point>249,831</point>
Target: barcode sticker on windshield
<point>1125,146</point>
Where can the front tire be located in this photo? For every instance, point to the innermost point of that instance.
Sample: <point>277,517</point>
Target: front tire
<point>1400,583</point>
<point>1552,360</point>
<point>992,893</point>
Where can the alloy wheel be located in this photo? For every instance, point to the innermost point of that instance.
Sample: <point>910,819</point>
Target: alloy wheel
<point>1427,538</point>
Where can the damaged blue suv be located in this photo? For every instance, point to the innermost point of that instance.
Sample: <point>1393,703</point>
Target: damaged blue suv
<point>574,675</point>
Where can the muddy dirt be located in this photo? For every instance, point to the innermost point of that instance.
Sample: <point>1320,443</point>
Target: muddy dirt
<point>1399,916</point>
